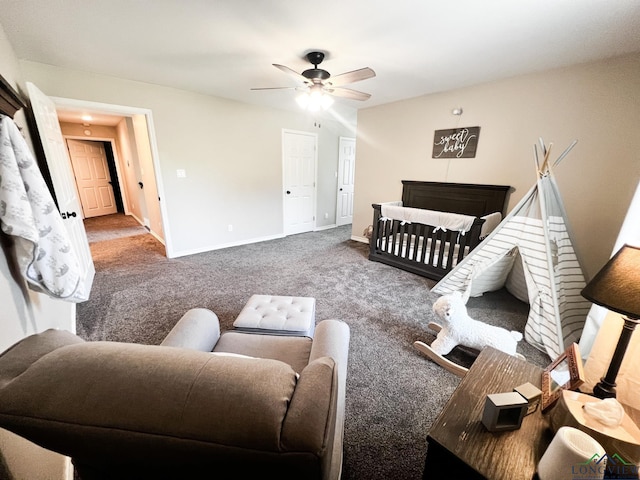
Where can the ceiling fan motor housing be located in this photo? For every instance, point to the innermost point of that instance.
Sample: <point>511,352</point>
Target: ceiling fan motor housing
<point>316,74</point>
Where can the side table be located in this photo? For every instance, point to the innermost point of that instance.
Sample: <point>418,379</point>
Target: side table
<point>459,446</point>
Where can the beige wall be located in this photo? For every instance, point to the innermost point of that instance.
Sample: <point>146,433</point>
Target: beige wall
<point>598,104</point>
<point>231,153</point>
<point>23,312</point>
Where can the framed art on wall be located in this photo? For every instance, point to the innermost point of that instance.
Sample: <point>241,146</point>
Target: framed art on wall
<point>456,142</point>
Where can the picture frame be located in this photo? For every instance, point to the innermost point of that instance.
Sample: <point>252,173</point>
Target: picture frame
<point>455,142</point>
<point>10,100</point>
<point>564,373</point>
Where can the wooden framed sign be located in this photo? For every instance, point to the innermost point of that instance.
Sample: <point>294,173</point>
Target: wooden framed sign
<point>456,142</point>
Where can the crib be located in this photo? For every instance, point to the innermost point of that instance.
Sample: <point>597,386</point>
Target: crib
<point>431,250</point>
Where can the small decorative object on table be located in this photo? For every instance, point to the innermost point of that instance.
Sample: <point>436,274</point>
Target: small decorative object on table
<point>532,394</point>
<point>504,411</point>
<point>565,373</point>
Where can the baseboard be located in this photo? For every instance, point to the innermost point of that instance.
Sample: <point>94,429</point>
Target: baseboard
<point>360,239</point>
<point>157,237</point>
<point>184,253</point>
<point>325,227</point>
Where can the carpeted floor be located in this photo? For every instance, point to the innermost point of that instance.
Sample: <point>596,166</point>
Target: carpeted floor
<point>394,393</point>
<point>110,227</point>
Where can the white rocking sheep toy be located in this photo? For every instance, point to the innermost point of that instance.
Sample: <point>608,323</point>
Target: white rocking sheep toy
<point>458,328</point>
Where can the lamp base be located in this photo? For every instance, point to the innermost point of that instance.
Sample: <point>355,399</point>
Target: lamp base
<point>604,390</point>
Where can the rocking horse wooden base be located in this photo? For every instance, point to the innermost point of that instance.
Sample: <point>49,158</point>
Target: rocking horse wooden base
<point>448,365</point>
<point>445,363</point>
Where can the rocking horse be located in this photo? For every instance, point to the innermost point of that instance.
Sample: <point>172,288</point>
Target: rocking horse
<point>459,329</point>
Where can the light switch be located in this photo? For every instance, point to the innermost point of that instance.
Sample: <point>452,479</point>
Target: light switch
<point>182,173</point>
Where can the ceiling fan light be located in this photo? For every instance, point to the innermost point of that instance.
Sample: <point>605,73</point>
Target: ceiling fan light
<point>303,100</point>
<point>327,101</point>
<point>314,101</point>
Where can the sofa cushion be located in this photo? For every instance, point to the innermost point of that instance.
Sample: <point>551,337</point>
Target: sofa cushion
<point>294,351</point>
<point>140,401</point>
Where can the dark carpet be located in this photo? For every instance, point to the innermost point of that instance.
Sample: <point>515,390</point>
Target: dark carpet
<point>394,393</point>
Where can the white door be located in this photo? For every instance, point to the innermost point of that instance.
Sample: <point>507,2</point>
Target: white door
<point>93,179</point>
<point>346,179</point>
<point>299,150</point>
<point>55,151</point>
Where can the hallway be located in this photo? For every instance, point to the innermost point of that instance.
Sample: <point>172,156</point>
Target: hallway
<point>111,227</point>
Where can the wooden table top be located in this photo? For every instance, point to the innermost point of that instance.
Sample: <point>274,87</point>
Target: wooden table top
<point>509,455</point>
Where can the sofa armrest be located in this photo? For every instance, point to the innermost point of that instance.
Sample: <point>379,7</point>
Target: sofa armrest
<point>198,329</point>
<point>18,358</point>
<point>331,339</point>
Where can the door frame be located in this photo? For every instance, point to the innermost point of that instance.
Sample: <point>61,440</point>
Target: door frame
<point>116,160</point>
<point>126,111</point>
<point>286,131</point>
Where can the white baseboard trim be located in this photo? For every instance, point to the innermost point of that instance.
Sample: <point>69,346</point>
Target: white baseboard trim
<point>184,253</point>
<point>360,239</point>
<point>326,227</point>
<point>157,237</point>
<point>142,224</point>
<point>194,251</point>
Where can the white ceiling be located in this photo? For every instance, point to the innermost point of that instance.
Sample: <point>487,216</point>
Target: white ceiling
<point>226,47</point>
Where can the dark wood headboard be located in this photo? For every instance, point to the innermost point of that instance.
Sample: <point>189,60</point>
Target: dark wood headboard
<point>463,198</point>
<point>10,101</point>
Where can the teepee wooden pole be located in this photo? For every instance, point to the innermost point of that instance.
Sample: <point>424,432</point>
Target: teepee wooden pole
<point>564,154</point>
<point>545,163</point>
<point>535,157</point>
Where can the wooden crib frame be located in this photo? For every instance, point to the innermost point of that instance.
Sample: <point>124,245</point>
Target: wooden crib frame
<point>402,245</point>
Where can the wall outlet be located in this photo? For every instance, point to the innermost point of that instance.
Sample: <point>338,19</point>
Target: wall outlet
<point>181,173</point>
<point>230,228</point>
<point>326,216</point>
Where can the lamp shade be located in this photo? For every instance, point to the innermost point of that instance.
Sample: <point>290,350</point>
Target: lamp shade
<point>617,285</point>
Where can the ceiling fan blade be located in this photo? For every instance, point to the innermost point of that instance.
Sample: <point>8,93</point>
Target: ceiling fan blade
<point>275,88</point>
<point>291,73</point>
<point>348,93</point>
<point>351,77</point>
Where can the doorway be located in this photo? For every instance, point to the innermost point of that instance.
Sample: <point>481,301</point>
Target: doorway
<point>135,153</point>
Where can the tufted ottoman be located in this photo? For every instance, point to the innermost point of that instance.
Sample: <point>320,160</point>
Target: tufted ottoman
<point>278,315</point>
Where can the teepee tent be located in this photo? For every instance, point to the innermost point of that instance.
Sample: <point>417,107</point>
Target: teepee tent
<point>530,254</point>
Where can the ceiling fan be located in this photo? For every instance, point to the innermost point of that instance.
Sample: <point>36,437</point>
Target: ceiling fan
<point>316,82</point>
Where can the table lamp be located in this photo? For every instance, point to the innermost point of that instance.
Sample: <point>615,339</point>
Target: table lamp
<point>617,287</point>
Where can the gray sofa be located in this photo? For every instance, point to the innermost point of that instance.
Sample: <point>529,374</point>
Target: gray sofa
<point>261,405</point>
